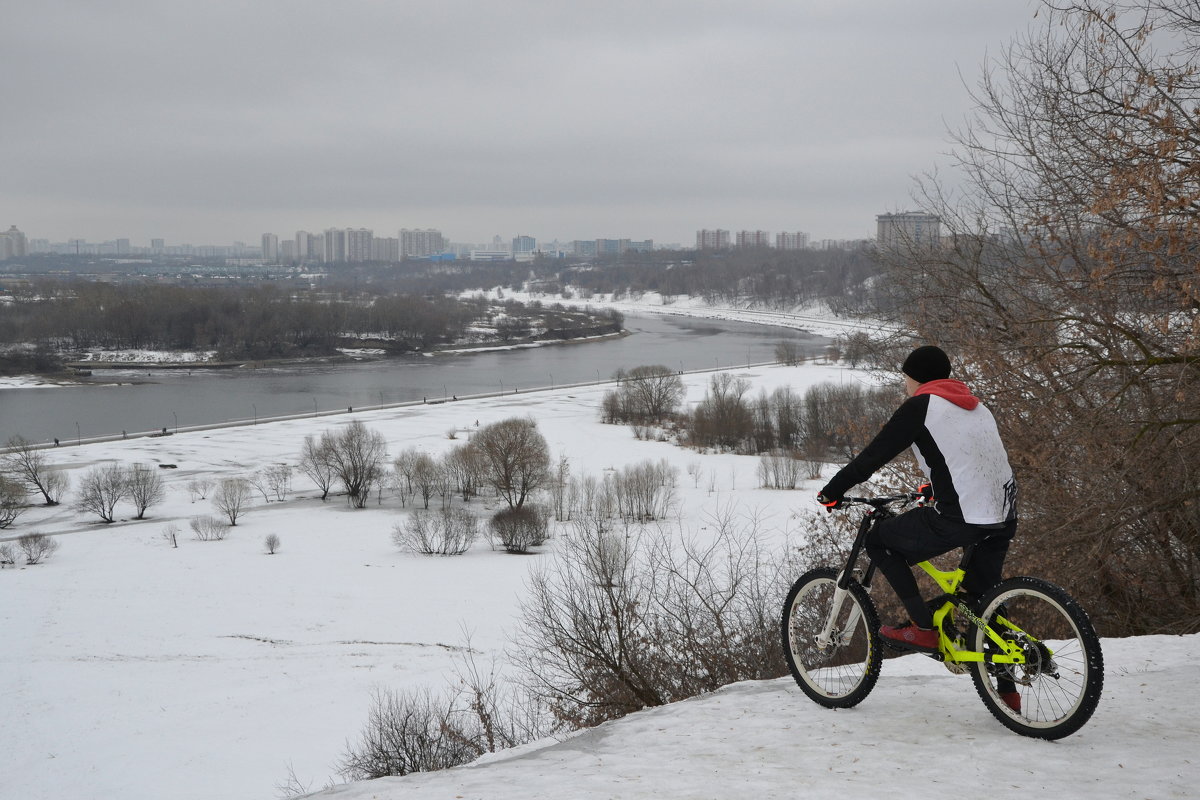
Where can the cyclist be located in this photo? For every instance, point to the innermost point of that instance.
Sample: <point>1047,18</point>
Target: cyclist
<point>958,448</point>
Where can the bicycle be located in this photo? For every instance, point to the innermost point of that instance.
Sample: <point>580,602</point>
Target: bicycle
<point>1023,634</point>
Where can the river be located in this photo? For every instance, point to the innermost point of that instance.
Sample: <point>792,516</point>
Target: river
<point>111,402</point>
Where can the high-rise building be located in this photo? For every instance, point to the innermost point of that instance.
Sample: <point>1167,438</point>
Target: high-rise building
<point>421,242</point>
<point>287,251</point>
<point>712,240</point>
<point>753,239</point>
<point>791,241</point>
<point>908,230</point>
<point>335,246</point>
<point>13,244</point>
<point>524,245</point>
<point>304,247</point>
<point>358,244</point>
<point>270,248</point>
<point>158,246</point>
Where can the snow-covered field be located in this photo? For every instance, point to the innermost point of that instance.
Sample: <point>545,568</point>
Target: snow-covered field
<point>132,669</point>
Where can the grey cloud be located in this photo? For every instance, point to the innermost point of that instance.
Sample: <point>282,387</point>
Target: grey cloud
<point>274,113</point>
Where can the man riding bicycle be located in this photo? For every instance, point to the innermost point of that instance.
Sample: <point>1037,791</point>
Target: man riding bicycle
<point>958,448</point>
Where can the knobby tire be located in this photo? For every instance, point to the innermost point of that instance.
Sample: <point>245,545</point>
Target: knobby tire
<point>1061,682</point>
<point>843,674</point>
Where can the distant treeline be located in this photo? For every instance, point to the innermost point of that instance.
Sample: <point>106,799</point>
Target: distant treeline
<point>262,321</point>
<point>780,278</point>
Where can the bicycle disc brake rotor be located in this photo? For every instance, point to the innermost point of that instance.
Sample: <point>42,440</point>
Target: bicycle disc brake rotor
<point>1038,662</point>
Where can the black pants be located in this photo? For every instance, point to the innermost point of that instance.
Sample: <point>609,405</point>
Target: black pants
<point>923,533</point>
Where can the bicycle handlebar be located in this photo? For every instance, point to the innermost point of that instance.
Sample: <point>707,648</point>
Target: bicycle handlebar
<point>884,501</point>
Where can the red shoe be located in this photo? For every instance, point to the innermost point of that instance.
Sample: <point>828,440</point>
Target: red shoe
<point>909,637</point>
<point>1012,700</point>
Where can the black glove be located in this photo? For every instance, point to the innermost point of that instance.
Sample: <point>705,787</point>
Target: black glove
<point>830,503</point>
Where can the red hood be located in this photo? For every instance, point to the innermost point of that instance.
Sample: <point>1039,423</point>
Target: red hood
<point>954,391</point>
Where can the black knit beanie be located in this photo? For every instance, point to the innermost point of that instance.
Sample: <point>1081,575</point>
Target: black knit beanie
<point>926,364</point>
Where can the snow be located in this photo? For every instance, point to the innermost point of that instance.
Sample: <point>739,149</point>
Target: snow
<point>815,317</point>
<point>922,732</point>
<point>131,669</point>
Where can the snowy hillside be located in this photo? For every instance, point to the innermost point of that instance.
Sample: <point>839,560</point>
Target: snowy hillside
<point>134,669</point>
<point>922,733</point>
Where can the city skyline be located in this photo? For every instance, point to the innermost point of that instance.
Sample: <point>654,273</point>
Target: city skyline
<point>220,122</point>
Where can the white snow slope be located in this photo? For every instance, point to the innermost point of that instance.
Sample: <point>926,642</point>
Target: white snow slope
<point>132,669</point>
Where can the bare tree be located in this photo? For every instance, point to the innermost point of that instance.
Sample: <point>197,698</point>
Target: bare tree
<point>649,393</point>
<point>271,543</point>
<point>788,352</point>
<point>357,455</point>
<point>102,488</point>
<point>426,474</point>
<point>317,463</point>
<point>517,458</point>
<point>145,487</point>
<point>1067,288</point>
<point>12,501</point>
<point>279,481</point>
<point>28,463</point>
<point>723,419</point>
<point>231,498</point>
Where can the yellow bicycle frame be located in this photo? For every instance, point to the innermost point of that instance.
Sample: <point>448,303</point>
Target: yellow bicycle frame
<point>949,581</point>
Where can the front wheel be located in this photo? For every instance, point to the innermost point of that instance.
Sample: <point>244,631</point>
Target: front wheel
<point>832,653</point>
<point>1060,682</point>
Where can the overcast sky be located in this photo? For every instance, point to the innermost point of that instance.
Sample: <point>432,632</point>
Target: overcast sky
<point>209,122</point>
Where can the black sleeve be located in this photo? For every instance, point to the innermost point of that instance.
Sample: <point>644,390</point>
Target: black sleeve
<point>899,432</point>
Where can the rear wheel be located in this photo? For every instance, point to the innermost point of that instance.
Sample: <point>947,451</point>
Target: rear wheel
<point>841,673</point>
<point>1060,682</point>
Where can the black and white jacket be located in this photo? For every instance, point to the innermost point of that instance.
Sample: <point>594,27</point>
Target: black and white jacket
<point>958,448</point>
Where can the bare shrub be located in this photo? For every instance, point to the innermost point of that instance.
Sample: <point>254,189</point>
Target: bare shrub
<point>145,488</point>
<point>405,733</point>
<point>170,533</point>
<point>448,532</point>
<point>9,552</point>
<point>645,491</point>
<point>419,731</point>
<point>55,484</point>
<point>102,488</point>
<point>12,501</point>
<point>36,547</point>
<point>271,543</point>
<point>616,623</point>
<point>519,529</point>
<point>779,470</point>
<point>209,529</point>
<point>199,488</point>
<point>231,498</point>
